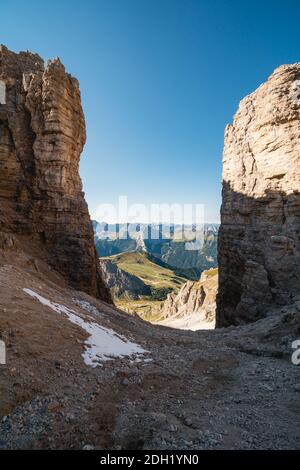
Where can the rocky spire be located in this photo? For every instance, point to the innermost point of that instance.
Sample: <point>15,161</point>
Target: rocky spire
<point>42,134</point>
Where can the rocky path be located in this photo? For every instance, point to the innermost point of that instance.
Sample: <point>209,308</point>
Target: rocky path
<point>233,388</point>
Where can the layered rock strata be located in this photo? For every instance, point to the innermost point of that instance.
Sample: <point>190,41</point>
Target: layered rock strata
<point>259,238</point>
<point>197,299</point>
<point>42,134</point>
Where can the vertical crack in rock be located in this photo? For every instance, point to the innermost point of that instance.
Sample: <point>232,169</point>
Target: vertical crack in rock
<point>259,239</point>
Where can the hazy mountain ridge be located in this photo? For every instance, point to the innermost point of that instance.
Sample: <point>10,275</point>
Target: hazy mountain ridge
<point>170,249</point>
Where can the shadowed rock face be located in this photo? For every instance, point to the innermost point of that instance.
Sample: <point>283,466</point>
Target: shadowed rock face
<point>259,246</point>
<point>42,134</point>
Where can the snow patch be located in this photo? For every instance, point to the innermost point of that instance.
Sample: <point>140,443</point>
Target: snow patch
<point>103,344</point>
<point>192,322</point>
<point>85,305</point>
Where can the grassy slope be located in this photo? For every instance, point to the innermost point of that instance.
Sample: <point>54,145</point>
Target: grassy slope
<point>147,309</point>
<point>152,274</point>
<point>156,276</point>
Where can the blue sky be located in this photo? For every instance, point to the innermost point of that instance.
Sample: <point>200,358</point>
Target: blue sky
<point>159,79</point>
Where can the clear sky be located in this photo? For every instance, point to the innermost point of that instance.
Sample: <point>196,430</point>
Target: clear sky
<point>159,79</point>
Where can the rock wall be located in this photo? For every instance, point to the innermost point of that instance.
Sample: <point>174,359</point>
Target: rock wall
<point>259,245</point>
<point>194,298</point>
<point>42,134</point>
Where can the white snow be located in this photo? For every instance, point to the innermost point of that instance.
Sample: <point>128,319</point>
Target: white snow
<point>103,344</point>
<point>88,307</point>
<point>191,322</point>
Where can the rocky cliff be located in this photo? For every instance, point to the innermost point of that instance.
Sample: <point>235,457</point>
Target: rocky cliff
<point>194,305</point>
<point>42,134</point>
<point>259,246</point>
<point>120,283</point>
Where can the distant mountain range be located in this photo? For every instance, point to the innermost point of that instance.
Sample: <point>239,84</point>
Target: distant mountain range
<point>166,244</point>
<point>136,273</point>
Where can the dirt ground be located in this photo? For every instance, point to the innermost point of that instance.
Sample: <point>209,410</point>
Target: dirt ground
<point>225,389</point>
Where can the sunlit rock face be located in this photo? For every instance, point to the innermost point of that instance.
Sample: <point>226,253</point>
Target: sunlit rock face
<point>42,134</point>
<point>259,246</point>
<point>194,306</point>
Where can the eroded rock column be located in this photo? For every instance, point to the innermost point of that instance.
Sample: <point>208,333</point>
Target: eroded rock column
<point>42,134</point>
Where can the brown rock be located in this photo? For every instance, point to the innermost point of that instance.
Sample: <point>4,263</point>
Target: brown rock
<point>194,297</point>
<point>259,247</point>
<point>42,134</point>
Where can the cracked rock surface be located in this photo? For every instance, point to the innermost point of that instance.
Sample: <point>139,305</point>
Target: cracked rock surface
<point>42,134</point>
<point>259,243</point>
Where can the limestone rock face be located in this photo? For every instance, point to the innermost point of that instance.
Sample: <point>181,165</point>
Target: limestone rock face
<point>42,134</point>
<point>259,244</point>
<point>194,299</point>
